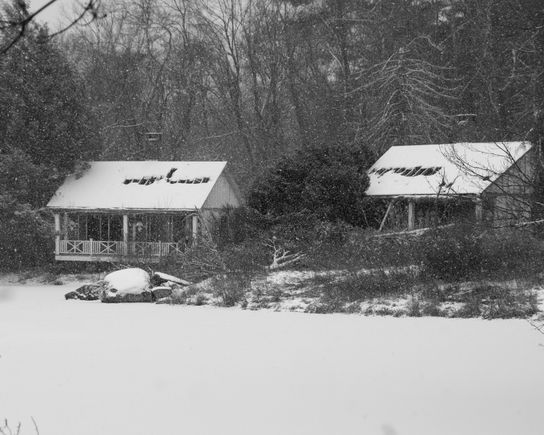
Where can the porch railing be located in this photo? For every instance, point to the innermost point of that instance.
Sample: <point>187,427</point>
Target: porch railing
<point>115,248</point>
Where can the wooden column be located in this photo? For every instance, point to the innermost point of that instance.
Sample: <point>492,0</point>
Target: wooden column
<point>411,214</point>
<point>195,228</point>
<point>65,227</point>
<point>125,234</point>
<point>478,210</point>
<point>57,233</point>
<point>386,214</point>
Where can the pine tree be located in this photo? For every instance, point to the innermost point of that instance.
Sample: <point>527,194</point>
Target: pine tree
<point>45,130</point>
<point>409,97</point>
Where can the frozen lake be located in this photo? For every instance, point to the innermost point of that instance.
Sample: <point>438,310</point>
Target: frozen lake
<point>82,368</point>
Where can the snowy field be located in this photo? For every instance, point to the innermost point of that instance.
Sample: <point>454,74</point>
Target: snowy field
<point>82,368</point>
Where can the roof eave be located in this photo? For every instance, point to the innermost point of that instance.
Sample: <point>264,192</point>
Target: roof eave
<point>123,210</point>
<point>424,195</point>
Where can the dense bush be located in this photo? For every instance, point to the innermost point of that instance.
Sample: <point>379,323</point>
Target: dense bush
<point>231,288</point>
<point>515,253</point>
<point>469,252</point>
<point>236,225</point>
<point>248,257</point>
<point>452,254</point>
<point>245,234</point>
<point>361,286</point>
<point>456,253</point>
<point>327,181</point>
<point>496,302</point>
<point>339,246</point>
<point>26,238</point>
<point>512,304</point>
<point>327,245</point>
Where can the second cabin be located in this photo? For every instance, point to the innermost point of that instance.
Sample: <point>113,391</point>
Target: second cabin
<point>425,185</point>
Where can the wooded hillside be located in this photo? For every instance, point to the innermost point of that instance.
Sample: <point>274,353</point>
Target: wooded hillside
<point>248,80</point>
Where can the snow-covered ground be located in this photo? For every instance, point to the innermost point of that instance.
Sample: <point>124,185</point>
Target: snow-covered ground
<point>82,368</point>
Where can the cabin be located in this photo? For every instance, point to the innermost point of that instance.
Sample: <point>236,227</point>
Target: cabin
<point>122,211</point>
<point>425,185</point>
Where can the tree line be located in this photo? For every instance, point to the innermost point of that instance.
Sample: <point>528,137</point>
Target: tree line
<point>250,81</point>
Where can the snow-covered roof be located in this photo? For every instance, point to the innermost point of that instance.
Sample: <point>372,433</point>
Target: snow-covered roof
<point>139,185</point>
<point>446,169</point>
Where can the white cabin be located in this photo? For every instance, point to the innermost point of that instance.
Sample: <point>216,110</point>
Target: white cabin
<point>138,210</point>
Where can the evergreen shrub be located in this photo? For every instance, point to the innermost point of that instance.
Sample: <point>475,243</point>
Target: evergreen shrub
<point>26,239</point>
<point>328,182</point>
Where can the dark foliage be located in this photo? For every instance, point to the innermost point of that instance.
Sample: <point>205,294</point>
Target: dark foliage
<point>469,252</point>
<point>243,235</point>
<point>231,288</point>
<point>26,236</point>
<point>496,302</point>
<point>45,130</point>
<point>239,224</point>
<point>453,253</point>
<point>329,182</point>
<point>362,286</point>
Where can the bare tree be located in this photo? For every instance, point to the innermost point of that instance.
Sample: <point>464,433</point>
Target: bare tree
<point>14,25</point>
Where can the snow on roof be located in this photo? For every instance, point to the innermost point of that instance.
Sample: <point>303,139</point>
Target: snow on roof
<point>139,185</point>
<point>446,169</point>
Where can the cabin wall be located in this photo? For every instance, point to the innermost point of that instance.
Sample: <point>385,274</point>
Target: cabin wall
<point>510,195</point>
<point>517,180</point>
<point>210,220</point>
<point>223,194</point>
<point>507,209</point>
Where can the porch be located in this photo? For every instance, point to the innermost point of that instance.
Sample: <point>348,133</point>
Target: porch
<point>413,212</point>
<point>151,237</point>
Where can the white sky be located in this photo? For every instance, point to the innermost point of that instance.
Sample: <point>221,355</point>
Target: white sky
<point>56,13</point>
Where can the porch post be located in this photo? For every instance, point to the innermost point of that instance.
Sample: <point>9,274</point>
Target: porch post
<point>57,233</point>
<point>386,214</point>
<point>411,214</point>
<point>65,228</point>
<point>125,234</point>
<point>478,210</point>
<point>195,227</point>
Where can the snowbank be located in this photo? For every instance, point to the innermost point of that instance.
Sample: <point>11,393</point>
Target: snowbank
<point>91,368</point>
